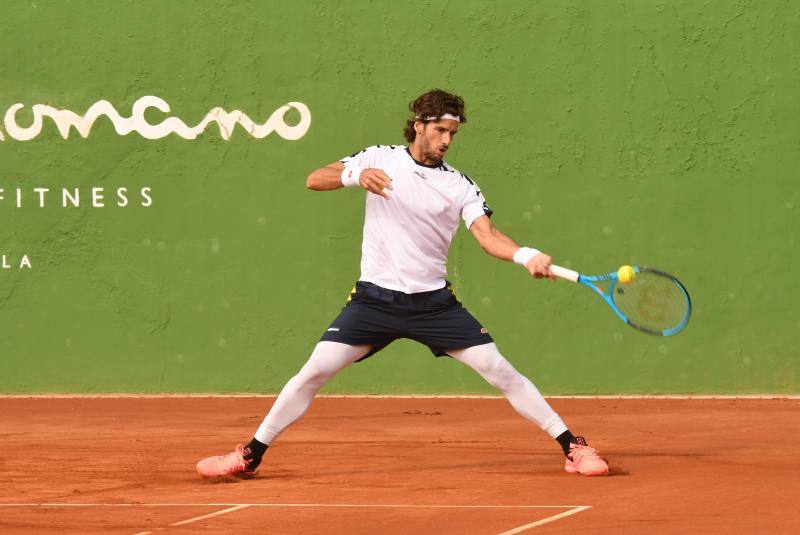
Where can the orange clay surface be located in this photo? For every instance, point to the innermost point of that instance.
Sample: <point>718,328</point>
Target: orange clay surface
<point>392,466</point>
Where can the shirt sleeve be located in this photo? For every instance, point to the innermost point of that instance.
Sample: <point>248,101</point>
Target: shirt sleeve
<point>365,158</point>
<point>474,205</point>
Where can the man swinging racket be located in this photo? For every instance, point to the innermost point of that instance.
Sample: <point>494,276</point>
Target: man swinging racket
<point>414,202</point>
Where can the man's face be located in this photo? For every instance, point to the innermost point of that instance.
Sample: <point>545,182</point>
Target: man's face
<point>435,137</point>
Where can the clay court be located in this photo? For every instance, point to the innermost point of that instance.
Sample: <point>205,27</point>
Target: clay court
<point>399,465</point>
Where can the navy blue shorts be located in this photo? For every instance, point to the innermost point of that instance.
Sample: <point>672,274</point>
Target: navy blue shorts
<point>378,316</point>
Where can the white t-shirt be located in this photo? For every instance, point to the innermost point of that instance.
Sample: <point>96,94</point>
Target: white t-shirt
<point>407,238</point>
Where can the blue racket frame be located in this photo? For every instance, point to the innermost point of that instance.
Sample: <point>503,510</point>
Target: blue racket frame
<point>612,278</point>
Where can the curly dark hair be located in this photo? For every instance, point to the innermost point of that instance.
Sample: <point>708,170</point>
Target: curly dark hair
<point>434,103</point>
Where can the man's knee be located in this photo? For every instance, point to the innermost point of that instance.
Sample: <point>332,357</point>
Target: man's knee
<point>314,374</point>
<point>502,375</point>
<point>326,361</point>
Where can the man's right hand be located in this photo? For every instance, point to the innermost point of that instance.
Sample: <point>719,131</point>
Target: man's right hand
<point>375,181</point>
<point>539,267</point>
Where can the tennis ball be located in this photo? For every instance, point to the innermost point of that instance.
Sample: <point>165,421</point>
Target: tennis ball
<point>626,274</point>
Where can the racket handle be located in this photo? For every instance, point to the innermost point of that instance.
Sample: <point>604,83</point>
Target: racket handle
<point>564,273</point>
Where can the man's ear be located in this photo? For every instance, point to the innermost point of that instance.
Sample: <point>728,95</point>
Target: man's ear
<point>419,126</point>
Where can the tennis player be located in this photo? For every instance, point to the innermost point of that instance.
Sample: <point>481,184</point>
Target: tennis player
<point>414,202</point>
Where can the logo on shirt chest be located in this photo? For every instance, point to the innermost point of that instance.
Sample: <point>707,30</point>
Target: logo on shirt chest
<point>422,175</point>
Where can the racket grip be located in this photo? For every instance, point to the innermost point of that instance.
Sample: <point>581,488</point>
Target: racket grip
<point>564,273</point>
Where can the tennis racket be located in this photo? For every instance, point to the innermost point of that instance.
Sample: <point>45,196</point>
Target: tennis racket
<point>653,302</point>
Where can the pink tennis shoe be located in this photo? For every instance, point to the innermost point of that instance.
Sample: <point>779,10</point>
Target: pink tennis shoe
<point>584,460</point>
<point>581,460</point>
<point>225,465</point>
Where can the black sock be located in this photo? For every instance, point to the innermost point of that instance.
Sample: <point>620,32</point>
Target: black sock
<point>253,453</point>
<point>565,439</point>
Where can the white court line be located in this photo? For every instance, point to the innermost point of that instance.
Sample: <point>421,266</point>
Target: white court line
<point>196,518</point>
<point>559,516</point>
<point>342,505</point>
<point>410,396</point>
<point>231,507</point>
<point>209,515</point>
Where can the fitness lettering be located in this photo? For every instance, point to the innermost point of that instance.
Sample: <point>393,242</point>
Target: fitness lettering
<point>76,197</point>
<point>226,121</point>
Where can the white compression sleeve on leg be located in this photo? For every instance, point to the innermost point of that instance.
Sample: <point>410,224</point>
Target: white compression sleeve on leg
<point>326,360</point>
<point>518,389</point>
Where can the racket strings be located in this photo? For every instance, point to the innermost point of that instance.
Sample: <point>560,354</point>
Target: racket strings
<point>652,301</point>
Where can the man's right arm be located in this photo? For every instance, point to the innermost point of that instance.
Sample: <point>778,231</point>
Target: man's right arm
<point>330,177</point>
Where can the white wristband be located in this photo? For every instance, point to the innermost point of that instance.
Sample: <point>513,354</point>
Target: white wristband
<point>350,176</point>
<point>524,255</point>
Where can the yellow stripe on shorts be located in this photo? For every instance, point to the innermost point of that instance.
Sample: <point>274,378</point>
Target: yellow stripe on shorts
<point>450,287</point>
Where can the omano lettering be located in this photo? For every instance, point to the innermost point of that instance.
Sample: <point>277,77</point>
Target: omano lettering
<point>226,121</point>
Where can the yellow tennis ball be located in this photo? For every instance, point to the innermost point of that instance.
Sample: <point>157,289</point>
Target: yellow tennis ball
<point>626,274</point>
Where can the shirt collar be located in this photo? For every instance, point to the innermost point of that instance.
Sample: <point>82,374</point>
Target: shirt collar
<point>439,165</point>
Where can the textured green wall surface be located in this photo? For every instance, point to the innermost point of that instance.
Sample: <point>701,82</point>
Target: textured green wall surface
<point>603,132</point>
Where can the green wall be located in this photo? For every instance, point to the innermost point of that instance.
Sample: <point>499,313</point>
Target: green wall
<point>603,132</point>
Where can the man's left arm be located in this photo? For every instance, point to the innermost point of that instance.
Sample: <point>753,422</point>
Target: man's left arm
<point>501,246</point>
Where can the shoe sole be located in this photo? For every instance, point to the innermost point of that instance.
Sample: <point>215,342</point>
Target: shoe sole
<point>228,478</point>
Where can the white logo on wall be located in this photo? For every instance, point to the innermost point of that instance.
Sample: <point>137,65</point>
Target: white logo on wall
<point>66,119</point>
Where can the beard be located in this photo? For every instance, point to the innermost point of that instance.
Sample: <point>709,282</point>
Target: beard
<point>432,152</point>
